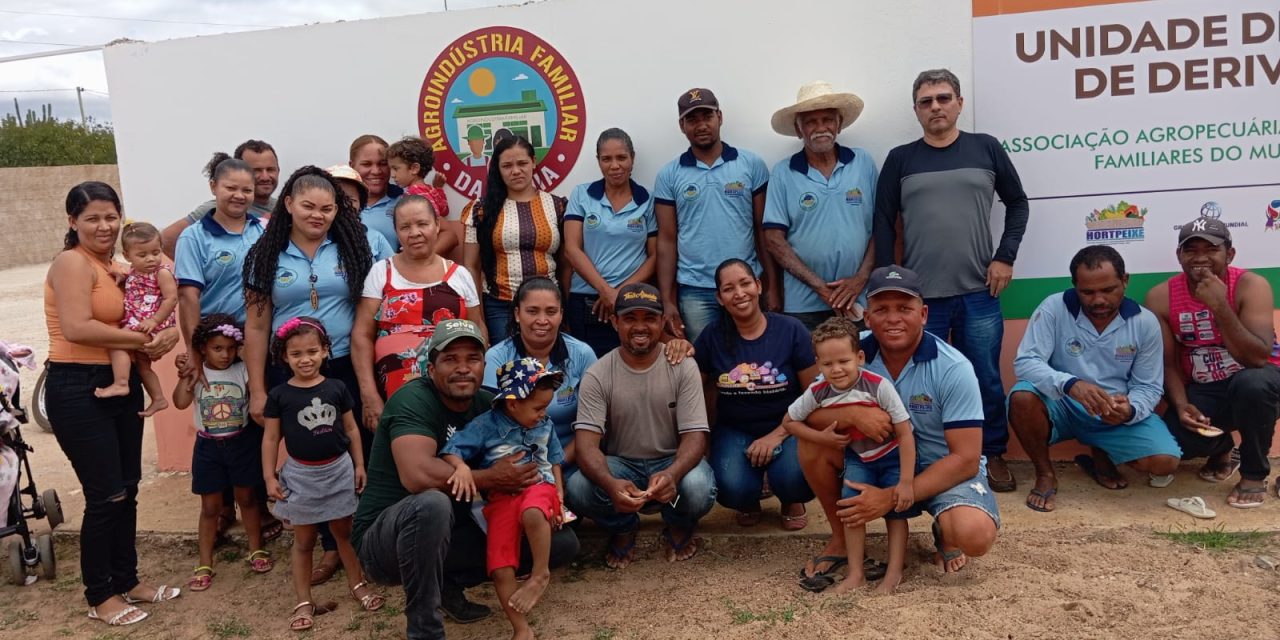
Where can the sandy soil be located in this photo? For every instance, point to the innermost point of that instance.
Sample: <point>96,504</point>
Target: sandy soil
<point>1095,568</point>
<point>1076,582</point>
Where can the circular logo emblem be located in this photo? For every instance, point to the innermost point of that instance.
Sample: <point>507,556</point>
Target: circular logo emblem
<point>1074,347</point>
<point>1211,210</point>
<point>498,82</point>
<point>593,221</point>
<point>223,258</point>
<point>691,192</point>
<point>808,201</point>
<point>286,277</point>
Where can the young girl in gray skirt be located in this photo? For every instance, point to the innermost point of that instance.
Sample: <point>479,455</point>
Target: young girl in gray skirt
<point>325,467</point>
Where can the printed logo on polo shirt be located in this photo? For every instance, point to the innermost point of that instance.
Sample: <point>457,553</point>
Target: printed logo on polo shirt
<point>735,189</point>
<point>920,403</point>
<point>753,377</point>
<point>853,196</point>
<point>1203,314</point>
<point>1074,347</point>
<point>494,83</point>
<point>635,224</point>
<point>690,192</point>
<point>1185,316</point>
<point>592,221</point>
<point>286,277</point>
<point>223,258</point>
<point>1126,352</point>
<point>340,272</point>
<point>808,201</point>
<point>566,395</point>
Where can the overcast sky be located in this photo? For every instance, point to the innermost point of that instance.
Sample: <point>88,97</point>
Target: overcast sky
<point>30,27</point>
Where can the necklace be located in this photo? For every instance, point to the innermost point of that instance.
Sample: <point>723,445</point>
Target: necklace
<point>315,295</point>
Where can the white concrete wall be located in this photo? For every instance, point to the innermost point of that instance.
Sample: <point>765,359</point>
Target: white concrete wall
<point>311,90</point>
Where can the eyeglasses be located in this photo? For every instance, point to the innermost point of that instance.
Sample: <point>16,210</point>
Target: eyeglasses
<point>943,99</point>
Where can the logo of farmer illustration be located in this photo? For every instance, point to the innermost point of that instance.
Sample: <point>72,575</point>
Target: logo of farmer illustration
<point>495,83</point>
<point>1120,223</point>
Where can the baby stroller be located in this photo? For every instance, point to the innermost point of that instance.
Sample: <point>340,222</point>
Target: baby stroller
<point>26,550</point>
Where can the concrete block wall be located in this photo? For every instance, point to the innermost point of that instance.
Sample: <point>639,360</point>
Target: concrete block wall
<point>33,216</point>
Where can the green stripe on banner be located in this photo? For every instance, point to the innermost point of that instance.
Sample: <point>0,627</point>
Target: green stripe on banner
<point>1023,296</point>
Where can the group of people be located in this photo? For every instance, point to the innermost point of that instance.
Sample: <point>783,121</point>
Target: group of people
<point>452,393</point>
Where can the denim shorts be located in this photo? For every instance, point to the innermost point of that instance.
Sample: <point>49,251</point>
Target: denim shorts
<point>884,473</point>
<point>218,464</point>
<point>973,492</point>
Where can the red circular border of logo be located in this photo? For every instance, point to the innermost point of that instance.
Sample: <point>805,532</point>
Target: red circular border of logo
<point>432,105</point>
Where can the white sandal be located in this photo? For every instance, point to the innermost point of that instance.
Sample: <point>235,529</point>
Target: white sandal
<point>118,620</point>
<point>1193,506</point>
<point>164,593</point>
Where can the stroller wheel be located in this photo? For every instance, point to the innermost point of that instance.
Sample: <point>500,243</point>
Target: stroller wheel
<point>41,415</point>
<point>52,508</point>
<point>17,568</point>
<point>48,563</point>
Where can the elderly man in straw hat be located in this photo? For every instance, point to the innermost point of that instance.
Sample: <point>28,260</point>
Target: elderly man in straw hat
<point>817,217</point>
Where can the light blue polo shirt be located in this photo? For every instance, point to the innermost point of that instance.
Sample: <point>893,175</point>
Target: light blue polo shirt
<point>939,388</point>
<point>613,241</point>
<point>827,220</point>
<point>380,216</point>
<point>211,259</point>
<point>564,408</point>
<point>1061,346</point>
<point>378,245</point>
<point>713,211</point>
<point>291,294</point>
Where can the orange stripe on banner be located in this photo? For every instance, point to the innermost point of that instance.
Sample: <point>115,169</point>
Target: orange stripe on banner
<point>984,8</point>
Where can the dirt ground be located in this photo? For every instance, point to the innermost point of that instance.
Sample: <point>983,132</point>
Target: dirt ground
<point>1095,568</point>
<point>1076,582</point>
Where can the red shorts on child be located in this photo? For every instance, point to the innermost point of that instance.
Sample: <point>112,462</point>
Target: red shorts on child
<point>503,512</point>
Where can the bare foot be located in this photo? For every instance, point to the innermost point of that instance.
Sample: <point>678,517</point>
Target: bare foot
<point>1042,495</point>
<point>889,583</point>
<point>157,405</point>
<point>854,580</point>
<point>526,597</point>
<point>116,390</point>
<point>523,634</point>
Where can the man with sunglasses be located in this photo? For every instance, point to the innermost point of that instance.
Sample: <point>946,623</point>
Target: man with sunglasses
<point>937,192</point>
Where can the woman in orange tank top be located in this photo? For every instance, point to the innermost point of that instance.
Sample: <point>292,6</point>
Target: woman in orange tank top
<point>102,437</point>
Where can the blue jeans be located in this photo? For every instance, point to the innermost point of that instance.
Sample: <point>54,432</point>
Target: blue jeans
<point>497,316</point>
<point>602,337</point>
<point>698,307</point>
<point>738,484</point>
<point>696,494</point>
<point>974,325</point>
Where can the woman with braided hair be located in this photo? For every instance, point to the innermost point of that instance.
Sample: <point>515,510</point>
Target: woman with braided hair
<point>310,261</point>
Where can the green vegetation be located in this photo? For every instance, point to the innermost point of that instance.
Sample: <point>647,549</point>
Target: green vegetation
<point>229,626</point>
<point>771,616</point>
<point>17,618</point>
<point>603,634</point>
<point>43,141</point>
<point>1218,538</point>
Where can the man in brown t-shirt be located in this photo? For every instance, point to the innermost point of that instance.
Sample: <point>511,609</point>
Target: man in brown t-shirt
<point>641,436</point>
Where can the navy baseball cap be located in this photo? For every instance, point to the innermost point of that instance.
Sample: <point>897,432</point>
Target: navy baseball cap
<point>894,278</point>
<point>695,99</point>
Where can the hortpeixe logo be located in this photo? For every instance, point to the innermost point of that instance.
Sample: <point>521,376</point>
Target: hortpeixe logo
<point>496,82</point>
<point>1120,223</point>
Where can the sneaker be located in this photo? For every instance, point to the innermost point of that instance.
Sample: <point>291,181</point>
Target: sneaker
<point>456,607</point>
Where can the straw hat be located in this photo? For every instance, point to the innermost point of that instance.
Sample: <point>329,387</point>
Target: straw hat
<point>813,97</point>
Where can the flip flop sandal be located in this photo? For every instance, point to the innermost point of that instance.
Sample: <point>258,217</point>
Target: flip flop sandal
<point>1002,485</point>
<point>620,553</point>
<point>201,578</point>
<point>118,620</point>
<point>323,572</point>
<point>1159,482</point>
<point>820,580</point>
<point>272,531</point>
<point>1044,495</point>
<point>370,601</point>
<point>306,620</point>
<point>1193,506</point>
<point>678,548</point>
<point>795,523</point>
<point>1211,474</point>
<point>164,593</point>
<point>260,561</point>
<point>947,556</point>
<point>1249,491</point>
<point>1087,465</point>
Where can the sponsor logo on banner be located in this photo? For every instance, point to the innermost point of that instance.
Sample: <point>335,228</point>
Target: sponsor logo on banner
<point>494,83</point>
<point>1213,211</point>
<point>1273,216</point>
<point>1120,223</point>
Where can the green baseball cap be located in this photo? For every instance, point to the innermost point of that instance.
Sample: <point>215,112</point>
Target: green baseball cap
<point>447,331</point>
<point>475,133</point>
